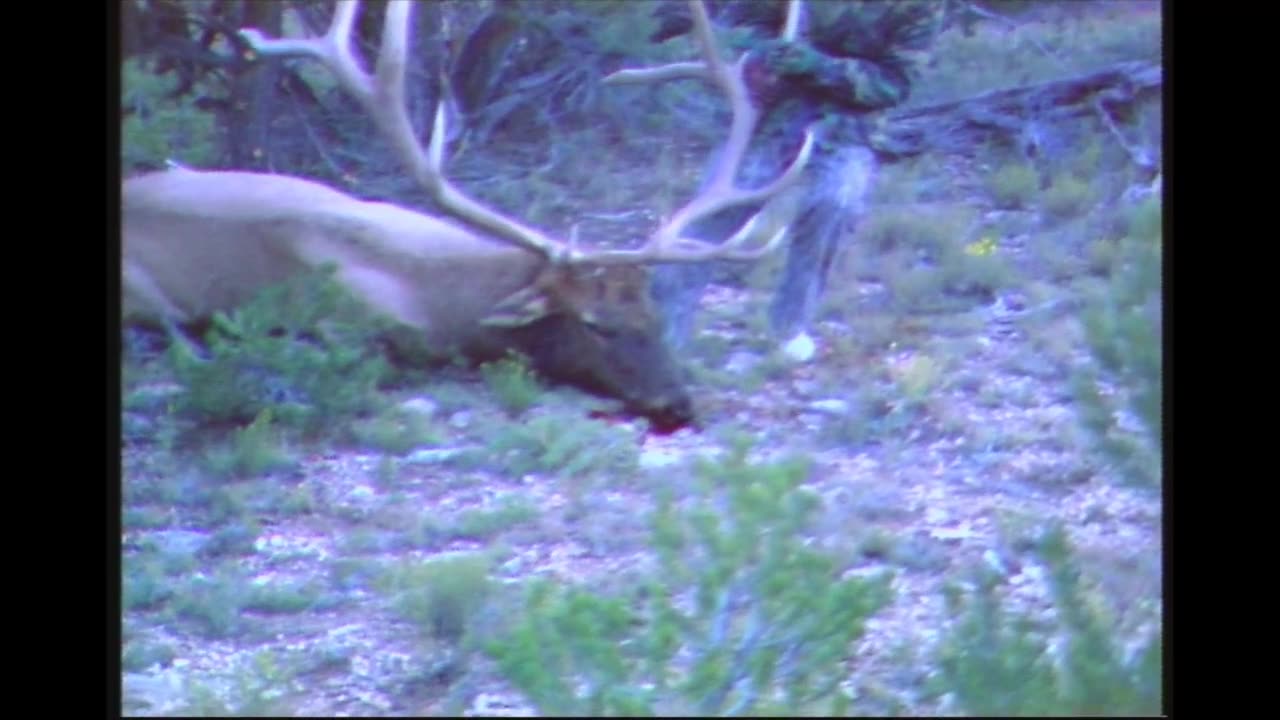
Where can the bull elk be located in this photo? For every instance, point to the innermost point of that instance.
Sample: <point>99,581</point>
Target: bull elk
<point>481,283</point>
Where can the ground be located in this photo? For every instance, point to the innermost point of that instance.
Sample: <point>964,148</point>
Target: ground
<point>938,416</point>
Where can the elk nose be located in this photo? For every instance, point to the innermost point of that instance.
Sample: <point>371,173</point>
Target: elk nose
<point>671,414</point>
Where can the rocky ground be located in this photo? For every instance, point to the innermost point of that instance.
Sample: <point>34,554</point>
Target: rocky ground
<point>943,436</point>
<point>990,452</point>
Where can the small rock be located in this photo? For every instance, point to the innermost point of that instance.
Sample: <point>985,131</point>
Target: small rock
<point>800,348</point>
<point>152,693</point>
<point>657,458</point>
<point>421,406</point>
<point>994,561</point>
<point>431,455</point>
<point>493,705</point>
<point>152,397</point>
<point>361,494</point>
<point>357,503</point>
<point>741,362</point>
<point>830,406</point>
<point>137,427</point>
<point>806,388</point>
<point>179,542</point>
<point>953,534</point>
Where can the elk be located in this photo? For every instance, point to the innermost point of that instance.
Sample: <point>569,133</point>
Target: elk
<point>477,282</point>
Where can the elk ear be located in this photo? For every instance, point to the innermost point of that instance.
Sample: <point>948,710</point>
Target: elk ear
<point>519,308</point>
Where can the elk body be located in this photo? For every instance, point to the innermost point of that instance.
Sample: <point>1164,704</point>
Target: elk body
<point>199,242</point>
<point>479,283</point>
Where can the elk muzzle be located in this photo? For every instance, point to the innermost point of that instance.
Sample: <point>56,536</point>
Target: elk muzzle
<point>627,362</point>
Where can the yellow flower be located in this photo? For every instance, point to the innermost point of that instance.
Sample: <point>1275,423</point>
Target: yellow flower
<point>985,246</point>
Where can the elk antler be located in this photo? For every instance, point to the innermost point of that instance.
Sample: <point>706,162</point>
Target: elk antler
<point>720,192</point>
<point>383,96</point>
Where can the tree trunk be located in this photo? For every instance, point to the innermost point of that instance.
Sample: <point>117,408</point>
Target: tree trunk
<point>252,102</point>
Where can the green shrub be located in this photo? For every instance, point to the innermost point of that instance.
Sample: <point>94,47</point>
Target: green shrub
<point>769,611</point>
<point>741,610</point>
<point>282,599</point>
<point>1087,162</point>
<point>349,573</point>
<point>236,537</point>
<point>511,380</point>
<point>139,655</point>
<point>918,378</point>
<point>303,349</point>
<point>396,431</point>
<point>917,289</point>
<point>254,450</point>
<point>254,686</point>
<point>989,55</point>
<point>1000,663</point>
<point>977,268</point>
<point>924,260</point>
<point>453,397</point>
<point>566,637</point>
<point>1013,185</point>
<point>562,445</point>
<point>442,596</point>
<point>912,230</point>
<point>484,524</point>
<point>160,126</point>
<point>217,503</point>
<point>143,584</point>
<point>1101,255</point>
<point>1123,329</point>
<point>299,500</point>
<point>213,603</point>
<point>1067,196</point>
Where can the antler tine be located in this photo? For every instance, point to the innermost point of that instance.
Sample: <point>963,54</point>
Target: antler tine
<point>333,49</point>
<point>667,244</point>
<point>383,97</point>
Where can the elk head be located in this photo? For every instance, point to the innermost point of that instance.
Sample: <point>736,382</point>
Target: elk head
<point>481,282</point>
